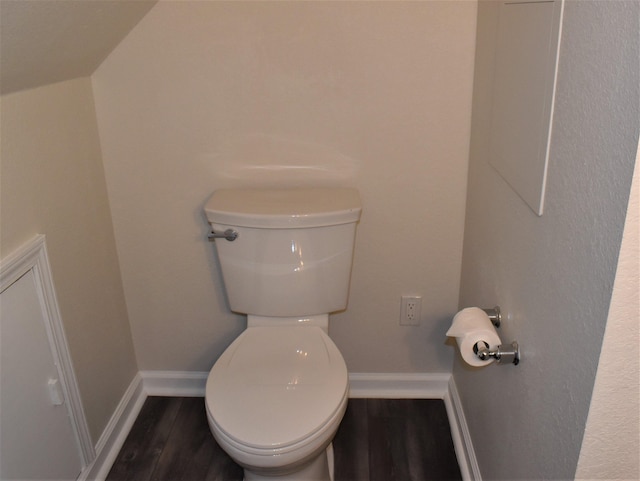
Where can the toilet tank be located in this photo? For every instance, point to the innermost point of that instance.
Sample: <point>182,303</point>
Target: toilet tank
<point>293,253</point>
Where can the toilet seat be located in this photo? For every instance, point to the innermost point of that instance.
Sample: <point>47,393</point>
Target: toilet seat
<point>276,388</point>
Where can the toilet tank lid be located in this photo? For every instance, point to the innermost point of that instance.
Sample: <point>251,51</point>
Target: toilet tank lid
<point>284,208</point>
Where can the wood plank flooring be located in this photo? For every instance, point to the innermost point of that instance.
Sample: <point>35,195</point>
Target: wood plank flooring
<point>395,439</point>
<point>378,440</point>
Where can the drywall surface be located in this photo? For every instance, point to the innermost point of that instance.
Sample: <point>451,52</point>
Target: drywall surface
<point>611,444</point>
<point>42,42</point>
<point>375,95</point>
<point>552,275</point>
<point>52,183</point>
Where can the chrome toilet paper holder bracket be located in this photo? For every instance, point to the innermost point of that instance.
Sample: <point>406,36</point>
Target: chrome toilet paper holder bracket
<point>494,315</point>
<point>501,355</point>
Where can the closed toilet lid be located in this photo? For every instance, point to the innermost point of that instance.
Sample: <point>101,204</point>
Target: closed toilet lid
<point>275,386</point>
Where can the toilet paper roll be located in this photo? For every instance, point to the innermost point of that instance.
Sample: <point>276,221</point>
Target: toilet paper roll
<point>470,326</point>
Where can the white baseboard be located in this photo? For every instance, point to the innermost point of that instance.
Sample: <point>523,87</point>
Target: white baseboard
<point>460,433</point>
<point>116,431</point>
<point>174,383</point>
<point>380,385</point>
<point>361,385</point>
<point>398,385</point>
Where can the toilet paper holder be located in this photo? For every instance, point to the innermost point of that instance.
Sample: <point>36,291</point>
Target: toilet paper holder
<point>481,349</point>
<point>494,315</point>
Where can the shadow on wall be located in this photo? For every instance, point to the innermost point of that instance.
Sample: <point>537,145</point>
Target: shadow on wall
<point>269,161</point>
<point>423,337</point>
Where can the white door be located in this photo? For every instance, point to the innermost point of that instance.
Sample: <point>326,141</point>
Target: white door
<point>37,440</point>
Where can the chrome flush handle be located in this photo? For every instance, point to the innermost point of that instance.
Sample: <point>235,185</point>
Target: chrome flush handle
<point>229,234</point>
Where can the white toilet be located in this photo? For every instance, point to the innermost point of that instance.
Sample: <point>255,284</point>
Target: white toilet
<point>276,396</point>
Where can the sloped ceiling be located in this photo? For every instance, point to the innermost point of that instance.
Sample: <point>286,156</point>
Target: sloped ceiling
<point>47,41</point>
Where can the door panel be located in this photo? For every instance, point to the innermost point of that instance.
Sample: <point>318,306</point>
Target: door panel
<point>36,436</point>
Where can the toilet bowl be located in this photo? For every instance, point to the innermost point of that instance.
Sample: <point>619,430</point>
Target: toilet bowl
<point>276,396</point>
<point>275,399</point>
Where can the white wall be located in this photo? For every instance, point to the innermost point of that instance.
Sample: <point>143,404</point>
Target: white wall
<point>53,183</point>
<point>377,95</point>
<point>552,275</point>
<point>611,444</point>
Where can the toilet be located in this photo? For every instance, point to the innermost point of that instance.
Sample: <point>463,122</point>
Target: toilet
<point>276,396</point>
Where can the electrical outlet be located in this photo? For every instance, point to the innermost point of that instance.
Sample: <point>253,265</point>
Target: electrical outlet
<point>410,310</point>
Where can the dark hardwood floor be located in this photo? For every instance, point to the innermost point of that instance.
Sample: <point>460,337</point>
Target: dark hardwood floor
<point>378,440</point>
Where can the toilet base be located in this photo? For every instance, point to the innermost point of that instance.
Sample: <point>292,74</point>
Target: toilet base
<point>320,469</point>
